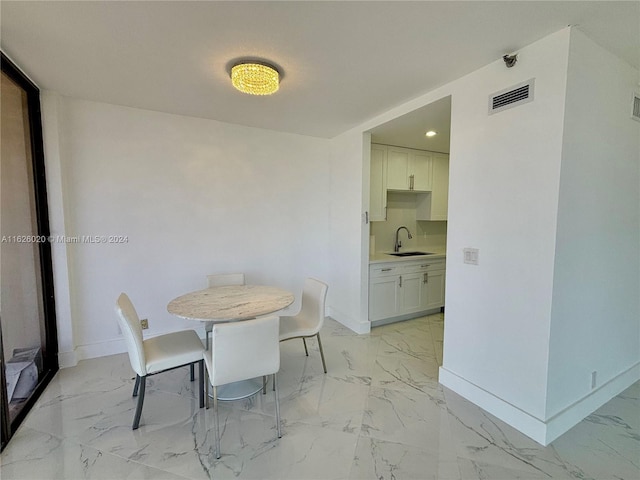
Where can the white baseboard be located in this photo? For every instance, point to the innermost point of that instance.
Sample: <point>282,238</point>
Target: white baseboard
<point>570,416</point>
<point>542,431</point>
<point>351,323</point>
<point>402,318</point>
<point>519,419</point>
<point>67,359</point>
<point>102,349</point>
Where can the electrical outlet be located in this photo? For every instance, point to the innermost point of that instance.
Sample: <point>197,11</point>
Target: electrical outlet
<point>144,323</point>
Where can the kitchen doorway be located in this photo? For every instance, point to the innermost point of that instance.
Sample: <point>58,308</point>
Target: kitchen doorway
<point>404,149</point>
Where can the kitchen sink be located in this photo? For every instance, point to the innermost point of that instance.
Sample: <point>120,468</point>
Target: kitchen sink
<point>409,254</point>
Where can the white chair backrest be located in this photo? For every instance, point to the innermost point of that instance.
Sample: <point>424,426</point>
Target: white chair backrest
<point>314,295</point>
<point>132,332</point>
<point>226,279</point>
<point>243,350</point>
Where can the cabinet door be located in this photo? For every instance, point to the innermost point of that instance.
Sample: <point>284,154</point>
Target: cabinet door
<point>410,289</point>
<point>440,195</point>
<point>378,193</point>
<point>433,289</point>
<point>383,297</point>
<point>397,168</point>
<point>421,169</point>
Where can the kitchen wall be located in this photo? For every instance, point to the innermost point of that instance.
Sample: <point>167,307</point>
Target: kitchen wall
<point>401,210</point>
<point>505,198</point>
<point>191,196</point>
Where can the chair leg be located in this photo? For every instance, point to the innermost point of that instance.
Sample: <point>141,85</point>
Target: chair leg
<point>135,387</point>
<point>201,381</point>
<point>306,352</point>
<point>324,365</point>
<point>206,388</point>
<point>216,421</point>
<point>275,389</point>
<point>136,418</point>
<point>192,372</point>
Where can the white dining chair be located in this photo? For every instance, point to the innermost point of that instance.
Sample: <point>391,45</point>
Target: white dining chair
<point>241,351</point>
<point>308,322</point>
<point>157,354</point>
<point>219,280</point>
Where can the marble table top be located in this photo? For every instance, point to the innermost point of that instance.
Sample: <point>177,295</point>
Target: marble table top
<point>230,302</point>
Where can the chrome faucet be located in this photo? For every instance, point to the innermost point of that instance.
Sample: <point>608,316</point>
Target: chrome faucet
<point>398,244</point>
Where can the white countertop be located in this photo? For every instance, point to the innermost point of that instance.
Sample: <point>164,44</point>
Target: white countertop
<point>382,257</point>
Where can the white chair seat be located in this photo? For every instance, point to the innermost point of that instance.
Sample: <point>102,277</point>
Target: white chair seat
<point>167,351</point>
<point>293,327</point>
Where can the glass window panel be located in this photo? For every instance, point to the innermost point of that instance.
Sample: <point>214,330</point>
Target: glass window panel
<point>21,296</point>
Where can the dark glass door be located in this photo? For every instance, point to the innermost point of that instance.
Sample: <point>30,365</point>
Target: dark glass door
<point>28,346</point>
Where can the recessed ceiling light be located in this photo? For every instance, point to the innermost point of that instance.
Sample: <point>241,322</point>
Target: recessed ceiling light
<point>431,133</point>
<point>255,78</point>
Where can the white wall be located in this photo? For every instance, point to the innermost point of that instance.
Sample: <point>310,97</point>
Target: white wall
<point>193,197</point>
<point>595,321</point>
<point>504,176</point>
<point>348,255</point>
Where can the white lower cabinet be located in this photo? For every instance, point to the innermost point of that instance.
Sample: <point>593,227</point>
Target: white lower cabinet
<point>411,293</point>
<point>433,288</point>
<point>383,298</point>
<point>398,289</point>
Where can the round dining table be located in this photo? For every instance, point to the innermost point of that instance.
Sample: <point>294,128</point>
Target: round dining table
<point>231,303</point>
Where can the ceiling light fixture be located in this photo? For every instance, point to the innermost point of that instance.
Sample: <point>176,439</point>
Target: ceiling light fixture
<point>431,133</point>
<point>255,78</point>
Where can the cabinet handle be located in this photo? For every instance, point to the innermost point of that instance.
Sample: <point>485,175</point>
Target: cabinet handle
<point>426,278</point>
<point>366,221</point>
<point>425,266</point>
<point>400,281</point>
<point>385,270</point>
<point>411,182</point>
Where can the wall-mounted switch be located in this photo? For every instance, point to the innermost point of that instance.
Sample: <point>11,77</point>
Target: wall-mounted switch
<point>470,255</point>
<point>594,376</point>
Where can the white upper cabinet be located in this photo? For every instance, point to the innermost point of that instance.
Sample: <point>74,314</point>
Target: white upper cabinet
<point>421,167</point>
<point>408,169</point>
<point>434,206</point>
<point>378,191</point>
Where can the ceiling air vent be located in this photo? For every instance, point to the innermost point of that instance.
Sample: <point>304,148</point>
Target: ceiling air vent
<point>511,97</point>
<point>635,107</point>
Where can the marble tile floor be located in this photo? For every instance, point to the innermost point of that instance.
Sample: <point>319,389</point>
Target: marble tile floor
<point>379,413</point>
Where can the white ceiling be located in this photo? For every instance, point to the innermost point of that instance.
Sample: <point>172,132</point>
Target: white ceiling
<point>409,130</point>
<point>343,62</point>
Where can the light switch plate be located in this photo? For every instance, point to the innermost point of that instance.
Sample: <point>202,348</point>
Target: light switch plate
<point>470,256</point>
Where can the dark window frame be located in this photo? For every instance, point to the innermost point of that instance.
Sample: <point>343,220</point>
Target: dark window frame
<point>50,351</point>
